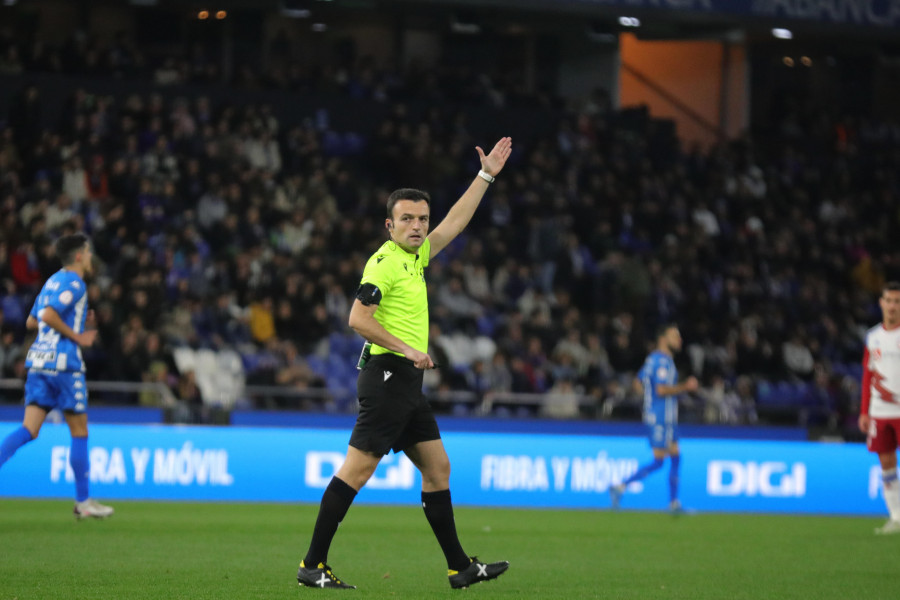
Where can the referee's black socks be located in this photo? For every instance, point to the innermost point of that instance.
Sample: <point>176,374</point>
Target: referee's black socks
<point>439,512</point>
<point>336,502</point>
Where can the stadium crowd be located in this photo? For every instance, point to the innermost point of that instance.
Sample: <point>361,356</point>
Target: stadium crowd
<point>217,226</point>
<point>282,65</point>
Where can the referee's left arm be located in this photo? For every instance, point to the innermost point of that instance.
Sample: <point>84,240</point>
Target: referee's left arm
<point>362,321</point>
<point>461,213</point>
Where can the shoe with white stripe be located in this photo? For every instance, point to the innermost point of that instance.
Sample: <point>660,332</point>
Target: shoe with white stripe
<point>92,508</point>
<point>476,572</point>
<point>320,577</point>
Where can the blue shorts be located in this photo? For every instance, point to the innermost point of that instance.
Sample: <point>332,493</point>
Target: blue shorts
<point>662,435</point>
<point>64,390</point>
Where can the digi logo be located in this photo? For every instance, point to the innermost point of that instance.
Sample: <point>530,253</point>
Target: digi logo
<point>393,473</point>
<point>766,479</point>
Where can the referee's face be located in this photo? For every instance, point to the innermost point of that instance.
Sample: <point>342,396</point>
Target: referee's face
<point>409,224</point>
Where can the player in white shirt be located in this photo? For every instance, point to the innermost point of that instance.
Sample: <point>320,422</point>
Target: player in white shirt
<point>879,415</point>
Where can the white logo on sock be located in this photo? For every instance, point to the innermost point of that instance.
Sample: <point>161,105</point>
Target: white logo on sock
<point>387,375</point>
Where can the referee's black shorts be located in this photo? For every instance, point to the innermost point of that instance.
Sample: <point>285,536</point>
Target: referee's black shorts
<point>393,411</point>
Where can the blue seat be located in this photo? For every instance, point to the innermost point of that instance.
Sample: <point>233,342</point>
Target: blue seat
<point>765,394</point>
<point>784,393</point>
<point>801,393</point>
<point>460,410</point>
<point>318,366</point>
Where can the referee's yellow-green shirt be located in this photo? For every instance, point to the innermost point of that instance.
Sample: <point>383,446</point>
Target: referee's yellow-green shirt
<point>403,310</point>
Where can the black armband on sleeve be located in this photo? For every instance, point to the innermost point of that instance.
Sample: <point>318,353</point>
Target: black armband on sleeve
<point>368,294</point>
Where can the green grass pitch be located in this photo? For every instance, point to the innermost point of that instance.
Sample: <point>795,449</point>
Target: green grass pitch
<point>169,551</point>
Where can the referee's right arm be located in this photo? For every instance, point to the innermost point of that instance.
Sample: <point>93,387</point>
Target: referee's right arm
<point>362,321</point>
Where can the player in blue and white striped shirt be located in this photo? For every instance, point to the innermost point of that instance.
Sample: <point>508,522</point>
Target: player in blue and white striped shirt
<point>56,368</point>
<point>658,382</point>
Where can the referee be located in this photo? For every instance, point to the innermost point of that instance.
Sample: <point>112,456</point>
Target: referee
<point>391,312</point>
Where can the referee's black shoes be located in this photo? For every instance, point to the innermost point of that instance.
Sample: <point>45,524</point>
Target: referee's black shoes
<point>320,577</point>
<point>476,572</point>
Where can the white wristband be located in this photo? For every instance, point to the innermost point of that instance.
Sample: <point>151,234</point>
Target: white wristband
<point>486,176</point>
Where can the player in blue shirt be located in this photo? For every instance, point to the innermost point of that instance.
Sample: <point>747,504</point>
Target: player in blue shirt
<point>55,367</point>
<point>657,381</point>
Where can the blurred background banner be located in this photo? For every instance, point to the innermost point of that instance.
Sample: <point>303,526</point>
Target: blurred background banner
<point>490,469</point>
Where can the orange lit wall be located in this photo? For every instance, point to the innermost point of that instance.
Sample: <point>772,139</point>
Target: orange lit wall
<point>692,72</point>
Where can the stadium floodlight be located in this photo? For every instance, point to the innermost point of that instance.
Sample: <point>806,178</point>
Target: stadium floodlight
<point>465,22</point>
<point>782,34</point>
<point>629,22</point>
<point>295,9</point>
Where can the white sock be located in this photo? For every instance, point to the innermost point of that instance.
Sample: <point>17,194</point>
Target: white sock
<point>891,493</point>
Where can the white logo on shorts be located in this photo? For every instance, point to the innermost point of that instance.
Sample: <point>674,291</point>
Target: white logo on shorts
<point>387,375</point>
<point>79,406</point>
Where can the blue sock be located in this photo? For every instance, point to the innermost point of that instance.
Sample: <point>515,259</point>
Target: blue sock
<point>78,459</point>
<point>13,442</point>
<point>673,477</point>
<point>644,471</point>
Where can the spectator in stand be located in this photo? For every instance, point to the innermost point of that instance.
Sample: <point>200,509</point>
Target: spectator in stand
<point>728,241</point>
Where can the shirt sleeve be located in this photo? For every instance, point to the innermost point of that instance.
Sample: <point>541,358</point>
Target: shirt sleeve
<point>425,253</point>
<point>378,272</point>
<point>66,297</point>
<point>663,369</point>
<point>653,367</point>
<point>866,384</point>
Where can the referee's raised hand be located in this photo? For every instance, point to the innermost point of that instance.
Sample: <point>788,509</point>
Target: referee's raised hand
<point>493,162</point>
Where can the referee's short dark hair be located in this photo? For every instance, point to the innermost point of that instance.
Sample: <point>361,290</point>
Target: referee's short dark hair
<point>891,286</point>
<point>69,245</point>
<point>406,194</point>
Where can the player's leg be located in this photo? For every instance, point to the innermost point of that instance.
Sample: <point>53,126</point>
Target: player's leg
<point>31,426</point>
<point>882,439</point>
<point>431,459</point>
<point>85,506</point>
<point>72,398</point>
<point>674,464</point>
<point>39,400</point>
<point>891,486</point>
<point>78,454</point>
<point>891,490</point>
<point>658,444</point>
<point>658,457</point>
